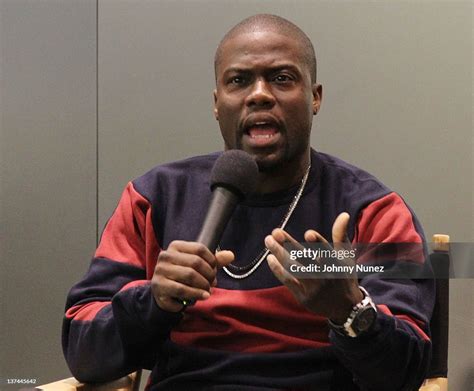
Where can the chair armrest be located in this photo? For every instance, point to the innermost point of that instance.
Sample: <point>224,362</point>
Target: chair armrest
<point>130,382</point>
<point>436,384</point>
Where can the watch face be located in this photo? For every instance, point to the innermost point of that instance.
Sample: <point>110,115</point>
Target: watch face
<point>364,320</point>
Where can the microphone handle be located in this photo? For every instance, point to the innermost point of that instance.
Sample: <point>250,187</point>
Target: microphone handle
<point>220,210</point>
<point>223,203</point>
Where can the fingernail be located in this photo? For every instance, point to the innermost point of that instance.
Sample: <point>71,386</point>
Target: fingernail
<point>206,295</point>
<point>269,241</point>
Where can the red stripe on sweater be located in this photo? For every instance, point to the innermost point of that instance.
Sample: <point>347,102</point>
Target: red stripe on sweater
<point>86,312</point>
<point>129,236</point>
<point>263,320</point>
<point>388,220</point>
<point>414,323</point>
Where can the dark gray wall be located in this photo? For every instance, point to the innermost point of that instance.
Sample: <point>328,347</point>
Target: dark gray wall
<point>397,80</point>
<point>48,165</point>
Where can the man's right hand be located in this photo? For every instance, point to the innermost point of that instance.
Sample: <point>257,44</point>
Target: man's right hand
<point>184,271</point>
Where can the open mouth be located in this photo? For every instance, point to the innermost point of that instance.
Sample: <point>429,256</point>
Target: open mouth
<point>262,131</point>
<point>262,135</point>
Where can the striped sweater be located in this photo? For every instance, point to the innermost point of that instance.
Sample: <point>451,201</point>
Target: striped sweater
<point>251,334</point>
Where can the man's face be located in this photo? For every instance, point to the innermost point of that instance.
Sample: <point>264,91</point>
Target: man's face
<point>264,100</point>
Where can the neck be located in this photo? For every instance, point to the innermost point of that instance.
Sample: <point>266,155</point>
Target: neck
<point>282,178</point>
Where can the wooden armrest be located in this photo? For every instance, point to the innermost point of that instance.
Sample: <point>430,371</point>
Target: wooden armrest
<point>441,242</point>
<point>127,383</point>
<point>437,384</point>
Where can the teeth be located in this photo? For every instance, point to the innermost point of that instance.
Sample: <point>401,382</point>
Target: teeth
<point>260,123</point>
<point>262,136</point>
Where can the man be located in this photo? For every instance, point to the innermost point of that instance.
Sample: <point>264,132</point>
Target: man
<point>254,326</point>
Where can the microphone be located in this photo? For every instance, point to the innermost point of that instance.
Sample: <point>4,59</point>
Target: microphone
<point>235,174</point>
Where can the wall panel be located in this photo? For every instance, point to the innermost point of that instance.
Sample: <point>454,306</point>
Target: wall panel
<point>48,165</point>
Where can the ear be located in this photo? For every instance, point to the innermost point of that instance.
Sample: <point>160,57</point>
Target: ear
<point>216,113</point>
<point>317,97</point>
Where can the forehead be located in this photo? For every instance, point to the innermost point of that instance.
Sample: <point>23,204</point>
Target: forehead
<point>257,48</point>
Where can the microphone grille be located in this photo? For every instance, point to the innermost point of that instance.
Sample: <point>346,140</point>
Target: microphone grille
<point>237,170</point>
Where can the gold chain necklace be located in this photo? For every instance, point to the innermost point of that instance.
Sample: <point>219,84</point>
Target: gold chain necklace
<point>252,266</point>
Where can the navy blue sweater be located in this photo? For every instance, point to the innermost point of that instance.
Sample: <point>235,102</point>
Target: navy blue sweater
<point>251,334</point>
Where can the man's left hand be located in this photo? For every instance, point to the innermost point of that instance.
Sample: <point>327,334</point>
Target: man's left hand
<point>331,297</point>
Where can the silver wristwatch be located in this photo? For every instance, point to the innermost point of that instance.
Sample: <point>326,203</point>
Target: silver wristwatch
<point>360,320</point>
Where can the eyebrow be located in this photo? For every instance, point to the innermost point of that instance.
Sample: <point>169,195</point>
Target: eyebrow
<point>274,68</point>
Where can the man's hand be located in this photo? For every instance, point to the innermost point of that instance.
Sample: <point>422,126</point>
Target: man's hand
<point>333,298</point>
<point>186,270</point>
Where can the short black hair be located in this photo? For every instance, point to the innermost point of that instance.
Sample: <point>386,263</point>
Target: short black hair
<point>263,22</point>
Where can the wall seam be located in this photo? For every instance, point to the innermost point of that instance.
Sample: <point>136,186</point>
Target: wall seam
<point>97,124</point>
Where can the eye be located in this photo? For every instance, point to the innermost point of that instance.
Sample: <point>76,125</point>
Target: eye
<point>237,80</point>
<point>282,78</point>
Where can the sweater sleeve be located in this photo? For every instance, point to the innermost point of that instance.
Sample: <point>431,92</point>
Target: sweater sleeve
<point>395,355</point>
<point>112,324</point>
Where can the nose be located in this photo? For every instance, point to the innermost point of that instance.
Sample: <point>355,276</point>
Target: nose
<point>260,95</point>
